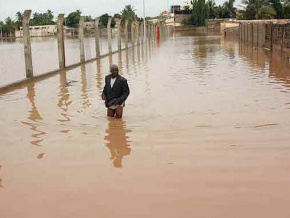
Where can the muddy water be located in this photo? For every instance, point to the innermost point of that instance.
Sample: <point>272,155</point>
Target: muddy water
<point>205,134</point>
<point>44,55</point>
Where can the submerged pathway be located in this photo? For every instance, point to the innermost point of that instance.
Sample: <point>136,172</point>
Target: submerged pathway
<point>205,133</point>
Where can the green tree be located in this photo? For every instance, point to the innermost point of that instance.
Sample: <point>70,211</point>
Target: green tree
<point>73,19</point>
<point>227,10</point>
<point>286,11</point>
<point>212,9</point>
<point>119,16</point>
<point>9,24</point>
<point>88,18</point>
<point>277,5</point>
<point>252,8</point>
<point>19,19</point>
<point>42,19</point>
<point>104,19</point>
<point>266,12</point>
<point>128,13</point>
<point>199,12</point>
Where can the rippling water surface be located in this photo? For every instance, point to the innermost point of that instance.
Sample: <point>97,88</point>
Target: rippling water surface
<point>205,133</point>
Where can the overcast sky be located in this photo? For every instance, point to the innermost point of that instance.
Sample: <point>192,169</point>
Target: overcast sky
<point>88,7</point>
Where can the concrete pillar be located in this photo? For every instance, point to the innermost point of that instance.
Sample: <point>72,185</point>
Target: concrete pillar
<point>282,38</point>
<point>249,33</point>
<point>126,34</point>
<point>137,33</point>
<point>255,35</point>
<point>244,35</point>
<point>240,32</point>
<point>119,35</point>
<point>82,39</point>
<point>27,44</point>
<point>262,35</point>
<point>109,35</point>
<point>149,31</point>
<point>133,33</point>
<point>142,32</point>
<point>60,41</point>
<point>97,37</point>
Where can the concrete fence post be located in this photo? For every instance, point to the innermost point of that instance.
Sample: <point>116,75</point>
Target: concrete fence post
<point>244,35</point>
<point>272,36</point>
<point>282,40</point>
<point>252,27</point>
<point>27,44</point>
<point>109,35</point>
<point>126,34</point>
<point>262,35</point>
<point>141,32</point>
<point>132,33</point>
<point>82,39</point>
<point>60,41</point>
<point>119,35</point>
<point>97,37</point>
<point>149,31</point>
<point>137,32</point>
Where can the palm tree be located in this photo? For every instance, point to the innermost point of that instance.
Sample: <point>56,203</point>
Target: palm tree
<point>19,19</point>
<point>252,8</point>
<point>9,24</point>
<point>212,9</point>
<point>128,13</point>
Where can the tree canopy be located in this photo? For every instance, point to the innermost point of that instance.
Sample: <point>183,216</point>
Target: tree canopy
<point>46,18</point>
<point>265,9</point>
<point>73,19</point>
<point>104,19</point>
<point>128,13</point>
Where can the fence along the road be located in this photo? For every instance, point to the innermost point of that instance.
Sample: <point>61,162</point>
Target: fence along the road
<point>136,39</point>
<point>268,34</point>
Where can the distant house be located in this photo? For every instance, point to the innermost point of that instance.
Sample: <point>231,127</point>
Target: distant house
<point>39,31</point>
<point>175,8</point>
<point>89,25</point>
<point>154,20</point>
<point>165,13</point>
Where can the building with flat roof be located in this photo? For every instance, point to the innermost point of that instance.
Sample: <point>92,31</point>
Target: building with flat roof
<point>39,31</point>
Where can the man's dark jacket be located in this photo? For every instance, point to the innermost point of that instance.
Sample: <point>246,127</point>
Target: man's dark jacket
<point>119,93</point>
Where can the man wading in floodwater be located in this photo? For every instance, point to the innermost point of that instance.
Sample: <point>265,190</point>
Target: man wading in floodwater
<point>115,93</point>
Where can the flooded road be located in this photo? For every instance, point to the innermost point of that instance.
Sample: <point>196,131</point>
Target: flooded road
<point>45,55</point>
<point>205,134</point>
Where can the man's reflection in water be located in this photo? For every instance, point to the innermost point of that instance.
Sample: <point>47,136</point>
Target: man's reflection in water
<point>117,141</point>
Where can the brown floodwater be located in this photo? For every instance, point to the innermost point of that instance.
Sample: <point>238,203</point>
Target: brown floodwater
<point>205,134</point>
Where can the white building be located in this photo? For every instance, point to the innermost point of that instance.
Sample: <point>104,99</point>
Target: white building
<point>40,31</point>
<point>186,5</point>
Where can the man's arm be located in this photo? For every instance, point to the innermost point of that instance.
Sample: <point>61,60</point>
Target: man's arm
<point>126,92</point>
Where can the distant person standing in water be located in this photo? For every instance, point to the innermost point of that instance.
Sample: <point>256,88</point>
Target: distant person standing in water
<point>115,93</point>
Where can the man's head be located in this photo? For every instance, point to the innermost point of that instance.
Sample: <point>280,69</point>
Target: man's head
<point>114,71</point>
